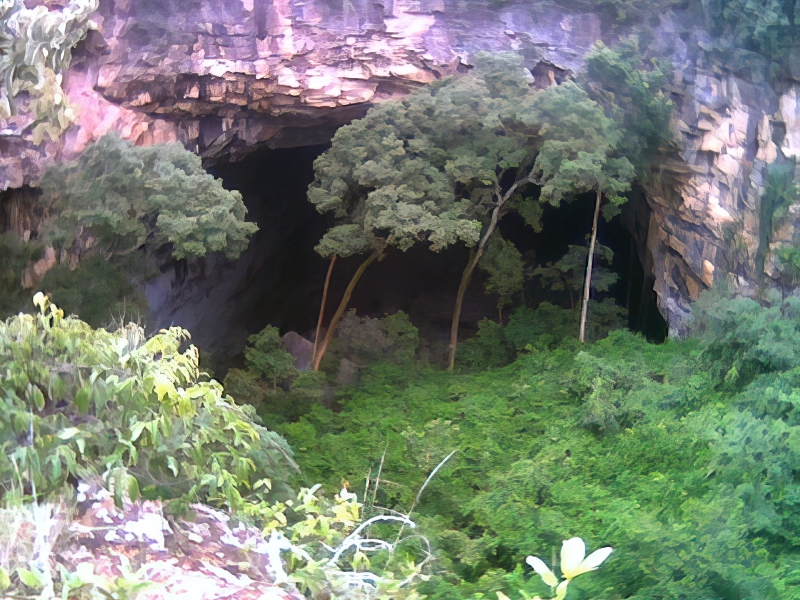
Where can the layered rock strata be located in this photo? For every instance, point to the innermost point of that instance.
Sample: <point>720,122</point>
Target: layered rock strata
<point>226,76</point>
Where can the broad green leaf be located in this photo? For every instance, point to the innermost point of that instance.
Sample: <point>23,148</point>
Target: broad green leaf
<point>83,398</point>
<point>32,578</point>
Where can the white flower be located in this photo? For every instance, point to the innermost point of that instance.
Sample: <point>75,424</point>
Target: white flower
<point>347,496</point>
<point>561,590</point>
<point>573,562</point>
<point>537,564</point>
<point>40,300</point>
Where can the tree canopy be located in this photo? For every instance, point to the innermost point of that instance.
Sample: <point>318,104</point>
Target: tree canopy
<point>567,272</point>
<point>580,151</point>
<point>131,196</point>
<point>631,90</point>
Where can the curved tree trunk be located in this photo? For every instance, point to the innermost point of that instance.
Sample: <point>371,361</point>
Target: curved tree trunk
<point>322,306</point>
<point>337,316</point>
<point>473,261</point>
<point>587,284</point>
<point>462,288</point>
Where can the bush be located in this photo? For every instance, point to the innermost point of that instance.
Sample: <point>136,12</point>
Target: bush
<point>16,254</point>
<point>367,341</point>
<point>266,358</point>
<point>79,402</point>
<point>687,470</point>
<point>98,291</point>
<point>489,348</point>
<point>549,326</point>
<point>134,196</point>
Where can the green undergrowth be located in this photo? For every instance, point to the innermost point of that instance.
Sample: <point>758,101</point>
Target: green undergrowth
<point>681,456</point>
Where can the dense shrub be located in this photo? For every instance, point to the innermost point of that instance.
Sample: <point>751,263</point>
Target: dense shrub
<point>135,196</point>
<point>656,450</point>
<point>79,402</point>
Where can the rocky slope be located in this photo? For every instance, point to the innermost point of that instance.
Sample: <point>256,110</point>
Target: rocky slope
<point>226,76</point>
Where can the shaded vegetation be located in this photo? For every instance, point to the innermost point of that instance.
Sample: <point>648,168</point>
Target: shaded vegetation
<point>681,456</point>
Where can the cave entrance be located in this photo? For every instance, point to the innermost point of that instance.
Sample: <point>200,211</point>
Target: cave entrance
<point>626,235</point>
<point>279,279</point>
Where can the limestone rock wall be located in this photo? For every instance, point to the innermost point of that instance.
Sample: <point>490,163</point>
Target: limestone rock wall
<point>226,76</point>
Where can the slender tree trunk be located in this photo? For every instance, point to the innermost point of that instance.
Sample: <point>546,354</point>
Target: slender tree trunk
<point>588,281</point>
<point>337,316</point>
<point>462,288</point>
<point>467,275</point>
<point>322,306</point>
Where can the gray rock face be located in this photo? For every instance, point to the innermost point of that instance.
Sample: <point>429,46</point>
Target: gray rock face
<point>226,76</point>
<point>299,347</point>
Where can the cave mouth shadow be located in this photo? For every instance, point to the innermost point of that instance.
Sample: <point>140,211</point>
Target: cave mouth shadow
<point>625,235</point>
<point>279,279</point>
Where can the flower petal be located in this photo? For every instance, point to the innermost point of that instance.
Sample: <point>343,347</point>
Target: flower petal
<point>591,562</point>
<point>573,551</point>
<point>561,590</point>
<point>502,596</point>
<point>537,564</point>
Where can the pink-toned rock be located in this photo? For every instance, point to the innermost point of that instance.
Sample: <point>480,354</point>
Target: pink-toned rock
<point>204,557</point>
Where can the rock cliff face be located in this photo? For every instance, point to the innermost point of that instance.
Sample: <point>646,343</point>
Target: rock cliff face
<point>226,76</point>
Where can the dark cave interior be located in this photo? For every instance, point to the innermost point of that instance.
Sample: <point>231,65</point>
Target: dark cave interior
<point>279,280</point>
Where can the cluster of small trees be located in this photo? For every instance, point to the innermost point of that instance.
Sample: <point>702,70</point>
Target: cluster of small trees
<point>440,167</point>
<point>445,164</point>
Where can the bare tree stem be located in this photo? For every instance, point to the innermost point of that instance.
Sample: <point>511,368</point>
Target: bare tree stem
<point>337,316</point>
<point>587,284</point>
<point>322,306</point>
<point>470,268</point>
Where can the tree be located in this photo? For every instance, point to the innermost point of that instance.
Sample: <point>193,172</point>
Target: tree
<point>413,170</point>
<point>631,91</point>
<point>132,197</point>
<point>567,272</point>
<point>580,153</point>
<point>494,159</point>
<point>267,358</point>
<point>503,263</point>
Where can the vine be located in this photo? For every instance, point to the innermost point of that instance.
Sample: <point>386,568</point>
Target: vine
<point>35,49</point>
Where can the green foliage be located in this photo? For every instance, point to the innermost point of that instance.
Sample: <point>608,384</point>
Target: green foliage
<point>132,196</point>
<point>267,358</point>
<point>367,341</point>
<point>581,147</point>
<point>79,402</point>
<point>687,470</point>
<point>503,263</point>
<point>98,291</point>
<point>568,272</point>
<point>420,168</point>
<point>330,552</point>
<point>35,50</point>
<point>244,386</point>
<point>549,327</point>
<point>624,11</point>
<point>744,336</point>
<point>17,255</point>
<point>769,27</point>
<point>632,93</point>
<point>488,349</point>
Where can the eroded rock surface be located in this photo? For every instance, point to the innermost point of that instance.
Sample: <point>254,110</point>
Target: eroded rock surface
<point>202,557</point>
<point>226,76</point>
